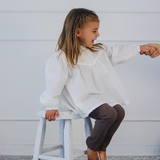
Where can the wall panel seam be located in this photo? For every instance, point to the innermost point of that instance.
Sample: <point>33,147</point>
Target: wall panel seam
<point>37,119</point>
<point>112,144</point>
<point>100,40</point>
<point>66,11</point>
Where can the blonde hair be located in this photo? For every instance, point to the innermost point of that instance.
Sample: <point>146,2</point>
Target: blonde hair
<point>68,41</point>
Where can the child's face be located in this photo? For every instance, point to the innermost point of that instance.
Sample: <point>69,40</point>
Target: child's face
<point>88,34</point>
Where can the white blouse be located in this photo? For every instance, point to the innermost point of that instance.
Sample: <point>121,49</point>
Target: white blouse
<point>92,83</point>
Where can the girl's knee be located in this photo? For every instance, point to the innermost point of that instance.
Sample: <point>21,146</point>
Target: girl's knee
<point>104,112</point>
<point>120,111</point>
<point>112,115</point>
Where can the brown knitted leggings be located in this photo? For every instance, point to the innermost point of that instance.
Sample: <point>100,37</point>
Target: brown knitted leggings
<point>107,122</point>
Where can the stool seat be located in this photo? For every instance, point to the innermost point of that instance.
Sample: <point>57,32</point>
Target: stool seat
<point>66,151</point>
<point>62,115</point>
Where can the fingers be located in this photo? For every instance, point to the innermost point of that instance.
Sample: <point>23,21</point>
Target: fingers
<point>157,50</point>
<point>50,118</point>
<point>145,49</point>
<point>152,50</point>
<point>156,46</point>
<point>57,114</point>
<point>155,54</point>
<point>50,115</point>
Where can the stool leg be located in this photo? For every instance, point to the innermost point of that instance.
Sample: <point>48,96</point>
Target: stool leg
<point>88,126</point>
<point>39,138</point>
<point>68,140</point>
<point>61,137</point>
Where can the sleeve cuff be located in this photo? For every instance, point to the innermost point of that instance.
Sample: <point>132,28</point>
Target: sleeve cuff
<point>50,103</point>
<point>139,49</point>
<point>50,108</point>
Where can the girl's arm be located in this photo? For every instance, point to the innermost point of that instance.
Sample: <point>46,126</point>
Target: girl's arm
<point>123,53</point>
<point>56,74</point>
<point>119,54</point>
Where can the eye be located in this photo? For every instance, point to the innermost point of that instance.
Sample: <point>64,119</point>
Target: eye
<point>94,31</point>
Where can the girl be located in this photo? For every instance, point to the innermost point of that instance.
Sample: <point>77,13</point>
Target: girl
<point>81,72</point>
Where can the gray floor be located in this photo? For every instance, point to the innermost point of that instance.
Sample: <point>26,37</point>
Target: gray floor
<point>85,158</point>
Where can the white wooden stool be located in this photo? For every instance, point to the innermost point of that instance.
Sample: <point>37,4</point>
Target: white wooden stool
<point>66,151</point>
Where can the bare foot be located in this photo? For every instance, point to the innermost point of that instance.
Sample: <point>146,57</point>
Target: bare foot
<point>102,155</point>
<point>92,155</point>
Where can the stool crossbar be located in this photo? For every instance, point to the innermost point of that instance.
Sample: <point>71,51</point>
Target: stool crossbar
<point>66,151</point>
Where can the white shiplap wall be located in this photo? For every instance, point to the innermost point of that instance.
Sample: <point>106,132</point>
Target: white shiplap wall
<point>28,34</point>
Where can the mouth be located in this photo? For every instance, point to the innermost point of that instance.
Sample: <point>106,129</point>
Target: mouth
<point>93,41</point>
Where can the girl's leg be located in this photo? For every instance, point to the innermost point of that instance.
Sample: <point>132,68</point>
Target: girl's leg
<point>105,116</point>
<point>120,115</point>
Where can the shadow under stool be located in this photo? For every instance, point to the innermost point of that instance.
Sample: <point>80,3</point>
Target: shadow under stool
<point>66,151</point>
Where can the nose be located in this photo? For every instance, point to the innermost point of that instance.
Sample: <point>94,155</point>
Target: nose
<point>98,34</point>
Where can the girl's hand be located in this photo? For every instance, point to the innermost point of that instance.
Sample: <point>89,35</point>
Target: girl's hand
<point>153,50</point>
<point>50,115</point>
<point>156,52</point>
<point>146,49</point>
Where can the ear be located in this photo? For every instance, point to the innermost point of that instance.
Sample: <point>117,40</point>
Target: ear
<point>78,33</point>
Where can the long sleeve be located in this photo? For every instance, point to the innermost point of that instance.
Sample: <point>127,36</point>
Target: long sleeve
<point>121,53</point>
<point>56,74</point>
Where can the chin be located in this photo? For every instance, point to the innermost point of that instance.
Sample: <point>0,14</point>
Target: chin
<point>90,46</point>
